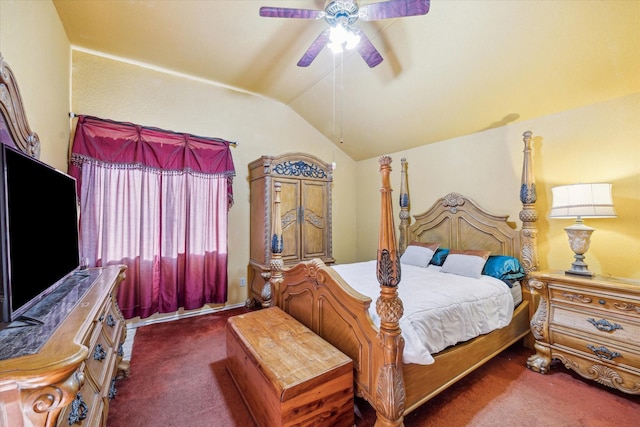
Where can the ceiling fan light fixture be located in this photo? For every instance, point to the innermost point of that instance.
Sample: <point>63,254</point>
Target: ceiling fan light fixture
<point>352,40</point>
<point>341,38</point>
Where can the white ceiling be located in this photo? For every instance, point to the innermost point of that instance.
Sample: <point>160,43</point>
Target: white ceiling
<point>466,66</point>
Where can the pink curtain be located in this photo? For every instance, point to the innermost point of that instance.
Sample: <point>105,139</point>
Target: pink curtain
<point>156,201</point>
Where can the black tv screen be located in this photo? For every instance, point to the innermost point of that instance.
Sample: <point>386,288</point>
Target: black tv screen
<point>39,231</point>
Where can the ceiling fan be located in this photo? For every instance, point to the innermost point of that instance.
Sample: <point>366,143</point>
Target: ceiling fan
<point>341,16</point>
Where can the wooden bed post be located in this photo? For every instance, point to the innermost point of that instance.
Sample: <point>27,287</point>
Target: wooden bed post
<point>405,218</point>
<point>390,393</point>
<point>528,214</point>
<point>272,286</point>
<point>529,234</point>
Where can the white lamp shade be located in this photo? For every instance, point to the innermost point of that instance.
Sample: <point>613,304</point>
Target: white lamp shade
<point>582,200</point>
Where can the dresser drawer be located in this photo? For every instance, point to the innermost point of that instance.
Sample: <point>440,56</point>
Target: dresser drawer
<point>99,364</point>
<point>112,325</point>
<point>599,350</point>
<point>593,299</point>
<point>86,409</point>
<point>598,324</point>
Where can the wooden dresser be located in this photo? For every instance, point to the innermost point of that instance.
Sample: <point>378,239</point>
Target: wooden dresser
<point>305,212</point>
<point>69,379</point>
<point>591,325</point>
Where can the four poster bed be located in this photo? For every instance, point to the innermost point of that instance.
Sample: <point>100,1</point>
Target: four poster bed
<point>320,298</point>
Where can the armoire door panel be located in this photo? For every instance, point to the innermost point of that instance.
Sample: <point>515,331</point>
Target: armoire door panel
<point>314,227</point>
<point>290,217</point>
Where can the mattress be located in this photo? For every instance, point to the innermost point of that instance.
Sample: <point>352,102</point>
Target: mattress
<point>516,293</point>
<point>440,309</point>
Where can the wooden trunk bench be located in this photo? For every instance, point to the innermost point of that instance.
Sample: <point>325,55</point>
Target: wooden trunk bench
<point>288,375</point>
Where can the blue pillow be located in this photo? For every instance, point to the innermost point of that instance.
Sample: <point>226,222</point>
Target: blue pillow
<point>439,256</point>
<point>506,268</point>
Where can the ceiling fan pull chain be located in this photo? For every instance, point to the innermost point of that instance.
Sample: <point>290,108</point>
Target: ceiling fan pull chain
<point>341,97</point>
<point>334,96</point>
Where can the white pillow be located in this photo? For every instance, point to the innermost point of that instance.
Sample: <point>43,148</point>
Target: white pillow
<point>417,255</point>
<point>467,263</point>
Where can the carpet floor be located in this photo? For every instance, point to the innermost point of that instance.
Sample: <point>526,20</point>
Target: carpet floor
<point>178,378</point>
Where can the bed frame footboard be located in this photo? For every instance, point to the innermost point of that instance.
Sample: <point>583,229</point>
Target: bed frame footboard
<point>318,298</point>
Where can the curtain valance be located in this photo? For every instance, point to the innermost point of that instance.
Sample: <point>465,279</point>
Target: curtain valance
<point>129,145</point>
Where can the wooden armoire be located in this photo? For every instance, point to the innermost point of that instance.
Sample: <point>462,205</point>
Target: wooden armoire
<point>305,213</point>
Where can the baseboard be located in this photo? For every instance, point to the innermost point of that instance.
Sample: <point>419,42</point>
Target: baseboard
<point>136,322</point>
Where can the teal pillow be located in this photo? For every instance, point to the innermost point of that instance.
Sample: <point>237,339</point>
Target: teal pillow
<point>439,256</point>
<point>506,268</point>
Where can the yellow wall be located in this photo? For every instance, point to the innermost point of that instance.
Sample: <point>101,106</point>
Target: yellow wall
<point>34,44</point>
<point>116,90</point>
<point>595,143</point>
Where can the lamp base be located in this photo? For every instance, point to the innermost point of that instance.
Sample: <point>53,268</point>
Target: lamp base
<point>579,267</point>
<point>579,239</point>
<point>584,273</point>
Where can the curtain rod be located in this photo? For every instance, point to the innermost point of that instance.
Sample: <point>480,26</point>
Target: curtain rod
<point>232,143</point>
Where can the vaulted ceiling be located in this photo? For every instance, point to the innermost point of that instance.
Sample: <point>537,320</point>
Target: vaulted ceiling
<point>466,66</point>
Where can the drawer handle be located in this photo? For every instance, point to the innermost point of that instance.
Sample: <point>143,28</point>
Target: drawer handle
<point>603,352</point>
<point>604,325</point>
<point>111,321</point>
<point>112,389</point>
<point>120,351</point>
<point>78,411</point>
<point>99,353</point>
<point>601,301</point>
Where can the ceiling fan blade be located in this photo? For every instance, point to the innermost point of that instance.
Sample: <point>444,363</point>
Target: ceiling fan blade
<point>284,12</point>
<point>314,49</point>
<point>367,50</point>
<point>393,9</point>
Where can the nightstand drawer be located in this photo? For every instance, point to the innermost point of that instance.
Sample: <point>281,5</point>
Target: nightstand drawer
<point>597,324</point>
<point>585,297</point>
<point>603,351</point>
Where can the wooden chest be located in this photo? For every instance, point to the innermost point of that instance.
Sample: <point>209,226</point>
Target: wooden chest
<point>288,375</point>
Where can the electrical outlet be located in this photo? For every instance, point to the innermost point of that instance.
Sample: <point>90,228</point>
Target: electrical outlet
<point>243,281</point>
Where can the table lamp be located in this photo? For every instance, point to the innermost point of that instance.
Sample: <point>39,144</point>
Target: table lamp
<point>581,201</point>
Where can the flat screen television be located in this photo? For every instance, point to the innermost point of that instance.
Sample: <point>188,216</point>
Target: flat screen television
<point>38,230</point>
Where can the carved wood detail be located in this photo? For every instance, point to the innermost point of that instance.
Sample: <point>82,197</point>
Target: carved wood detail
<point>528,214</point>
<point>405,218</point>
<point>15,119</point>
<point>275,263</point>
<point>390,396</point>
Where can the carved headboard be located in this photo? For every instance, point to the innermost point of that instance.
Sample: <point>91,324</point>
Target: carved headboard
<point>456,222</point>
<point>14,127</point>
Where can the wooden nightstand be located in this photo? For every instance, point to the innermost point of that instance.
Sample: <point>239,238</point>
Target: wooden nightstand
<point>591,325</point>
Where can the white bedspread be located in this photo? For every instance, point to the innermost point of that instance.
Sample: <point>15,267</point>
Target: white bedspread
<point>440,309</point>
